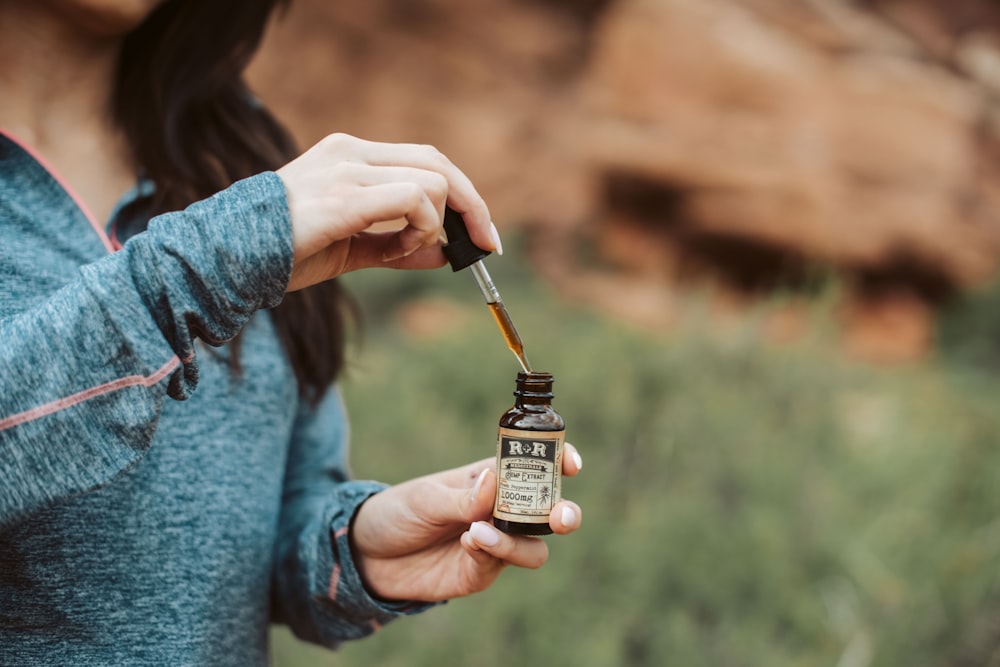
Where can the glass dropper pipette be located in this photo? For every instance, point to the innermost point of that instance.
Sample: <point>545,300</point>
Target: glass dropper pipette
<point>461,253</point>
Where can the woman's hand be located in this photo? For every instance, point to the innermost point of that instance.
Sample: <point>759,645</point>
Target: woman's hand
<point>431,539</point>
<point>342,186</point>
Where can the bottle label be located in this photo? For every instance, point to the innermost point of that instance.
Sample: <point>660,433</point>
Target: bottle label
<point>529,474</point>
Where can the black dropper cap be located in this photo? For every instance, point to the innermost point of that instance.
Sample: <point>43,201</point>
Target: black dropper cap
<point>460,250</point>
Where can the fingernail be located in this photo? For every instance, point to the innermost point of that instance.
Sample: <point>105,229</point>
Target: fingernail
<point>577,460</point>
<point>496,238</point>
<point>568,516</point>
<point>479,483</point>
<point>484,534</point>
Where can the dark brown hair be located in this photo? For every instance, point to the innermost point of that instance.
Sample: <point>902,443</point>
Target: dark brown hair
<point>195,128</point>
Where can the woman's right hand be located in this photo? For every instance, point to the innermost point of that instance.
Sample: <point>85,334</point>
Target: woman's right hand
<point>343,185</point>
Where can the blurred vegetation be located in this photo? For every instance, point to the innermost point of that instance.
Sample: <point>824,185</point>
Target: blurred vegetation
<point>969,333</point>
<point>745,503</point>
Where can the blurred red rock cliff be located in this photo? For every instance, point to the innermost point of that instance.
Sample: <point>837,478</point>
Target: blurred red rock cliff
<point>651,145</point>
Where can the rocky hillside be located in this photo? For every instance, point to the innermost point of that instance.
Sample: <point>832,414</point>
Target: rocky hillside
<point>655,144</point>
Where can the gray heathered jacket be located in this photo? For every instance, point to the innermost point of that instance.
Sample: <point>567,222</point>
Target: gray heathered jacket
<point>137,530</point>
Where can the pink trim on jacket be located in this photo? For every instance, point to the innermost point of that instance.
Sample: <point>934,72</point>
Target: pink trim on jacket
<point>87,394</point>
<point>335,574</point>
<point>110,245</point>
<point>334,582</point>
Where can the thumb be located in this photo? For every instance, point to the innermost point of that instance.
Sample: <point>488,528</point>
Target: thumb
<point>480,499</point>
<point>437,501</point>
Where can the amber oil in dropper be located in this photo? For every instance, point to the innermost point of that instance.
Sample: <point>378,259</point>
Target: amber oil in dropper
<point>509,333</point>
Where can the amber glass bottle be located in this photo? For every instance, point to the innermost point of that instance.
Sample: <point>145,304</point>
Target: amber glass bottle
<point>529,458</point>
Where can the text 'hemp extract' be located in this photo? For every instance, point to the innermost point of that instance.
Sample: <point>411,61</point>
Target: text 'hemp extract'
<point>529,458</point>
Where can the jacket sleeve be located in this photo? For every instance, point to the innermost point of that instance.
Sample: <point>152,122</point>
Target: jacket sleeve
<point>318,591</point>
<point>85,368</point>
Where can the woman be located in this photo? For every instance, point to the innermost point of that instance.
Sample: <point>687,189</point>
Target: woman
<point>172,460</point>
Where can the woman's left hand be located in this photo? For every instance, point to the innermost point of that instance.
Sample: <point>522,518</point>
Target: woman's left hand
<point>431,538</point>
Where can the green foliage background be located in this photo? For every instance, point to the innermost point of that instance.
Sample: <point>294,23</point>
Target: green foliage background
<point>745,503</point>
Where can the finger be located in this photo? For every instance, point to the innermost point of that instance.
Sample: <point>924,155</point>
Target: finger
<point>358,208</point>
<point>423,224</point>
<point>431,182</point>
<point>565,517</point>
<point>453,497</point>
<point>477,488</point>
<point>464,477</point>
<point>369,248</point>
<point>423,156</point>
<point>475,504</point>
<point>482,496</point>
<point>529,552</point>
<point>403,243</point>
<point>462,194</point>
<point>420,231</point>
<point>572,463</point>
<point>409,239</point>
<point>487,567</point>
<point>474,469</point>
<point>387,202</point>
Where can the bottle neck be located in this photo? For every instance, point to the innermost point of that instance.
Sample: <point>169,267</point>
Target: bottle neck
<point>533,389</point>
